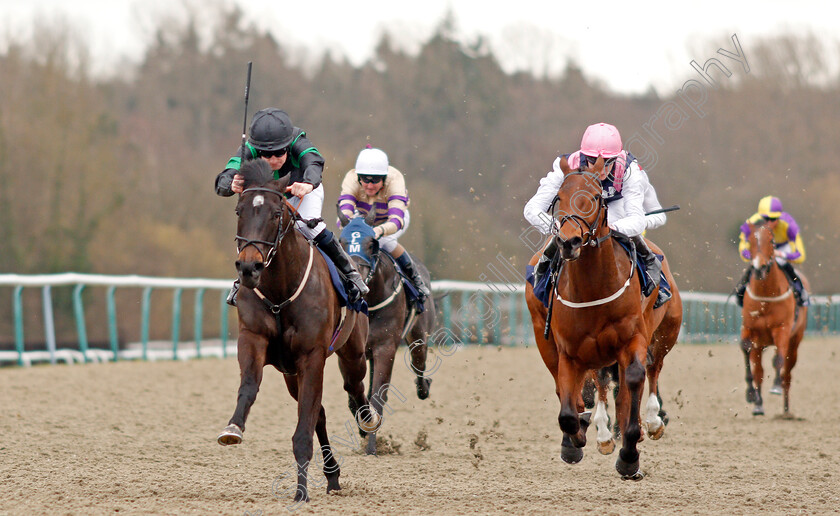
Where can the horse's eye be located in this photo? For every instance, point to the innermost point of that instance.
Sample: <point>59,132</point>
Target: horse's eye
<point>238,211</point>
<point>278,214</point>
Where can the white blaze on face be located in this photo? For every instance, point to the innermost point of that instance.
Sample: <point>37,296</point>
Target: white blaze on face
<point>259,200</point>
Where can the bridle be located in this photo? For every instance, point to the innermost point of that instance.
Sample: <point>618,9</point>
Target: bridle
<point>588,235</point>
<point>242,242</point>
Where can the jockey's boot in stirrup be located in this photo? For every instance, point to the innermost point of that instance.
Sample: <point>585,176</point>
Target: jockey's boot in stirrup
<point>654,270</point>
<point>545,260</point>
<point>799,291</point>
<point>231,297</point>
<point>741,287</point>
<point>408,267</point>
<point>356,287</point>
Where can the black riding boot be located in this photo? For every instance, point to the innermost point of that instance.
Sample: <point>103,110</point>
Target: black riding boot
<point>545,260</point>
<point>654,270</point>
<point>231,297</point>
<point>356,287</point>
<point>798,289</point>
<point>408,267</point>
<point>741,287</point>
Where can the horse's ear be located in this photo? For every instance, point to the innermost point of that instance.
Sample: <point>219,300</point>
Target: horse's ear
<point>256,172</point>
<point>342,218</point>
<point>370,218</point>
<point>564,165</point>
<point>372,247</point>
<point>283,182</point>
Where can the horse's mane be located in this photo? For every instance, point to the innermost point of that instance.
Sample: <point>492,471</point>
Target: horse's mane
<point>256,172</point>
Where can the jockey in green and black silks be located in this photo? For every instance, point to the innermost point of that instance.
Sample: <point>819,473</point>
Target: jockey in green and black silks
<point>287,150</point>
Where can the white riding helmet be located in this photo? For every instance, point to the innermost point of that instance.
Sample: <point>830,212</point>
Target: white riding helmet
<point>372,162</point>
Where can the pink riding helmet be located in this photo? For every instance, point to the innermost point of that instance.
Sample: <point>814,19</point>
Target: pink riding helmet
<point>601,140</point>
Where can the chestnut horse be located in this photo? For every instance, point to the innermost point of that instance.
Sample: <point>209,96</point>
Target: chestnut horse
<point>667,320</point>
<point>770,317</point>
<point>598,317</point>
<point>290,318</point>
<point>391,319</point>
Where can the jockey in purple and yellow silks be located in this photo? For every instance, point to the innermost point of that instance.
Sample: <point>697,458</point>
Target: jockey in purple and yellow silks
<point>375,185</point>
<point>788,242</point>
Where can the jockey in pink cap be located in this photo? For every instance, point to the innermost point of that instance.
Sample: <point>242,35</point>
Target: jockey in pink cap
<point>626,190</point>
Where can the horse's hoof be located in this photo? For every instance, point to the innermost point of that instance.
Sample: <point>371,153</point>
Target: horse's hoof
<point>629,470</point>
<point>302,495</point>
<point>332,484</point>
<point>607,447</point>
<point>758,410</point>
<point>664,416</point>
<point>368,420</point>
<point>635,476</point>
<point>232,434</point>
<point>776,389</point>
<point>423,384</point>
<point>657,433</point>
<point>570,454</point>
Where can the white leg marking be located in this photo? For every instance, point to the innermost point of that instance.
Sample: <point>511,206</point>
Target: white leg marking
<point>259,200</point>
<point>653,419</point>
<point>602,422</point>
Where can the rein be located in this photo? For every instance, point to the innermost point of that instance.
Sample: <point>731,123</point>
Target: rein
<point>397,289</point>
<point>281,231</point>
<point>604,300</point>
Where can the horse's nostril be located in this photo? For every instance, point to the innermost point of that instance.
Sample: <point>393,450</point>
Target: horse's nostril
<point>576,241</point>
<point>258,267</point>
<point>238,264</point>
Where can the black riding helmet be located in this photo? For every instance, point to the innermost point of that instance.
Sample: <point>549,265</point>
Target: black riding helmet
<point>271,130</point>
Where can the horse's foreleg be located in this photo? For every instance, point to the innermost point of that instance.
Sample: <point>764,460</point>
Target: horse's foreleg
<point>419,350</point>
<point>758,378</point>
<point>788,354</point>
<point>632,376</point>
<point>251,355</point>
<point>310,385</point>
<point>655,425</point>
<point>573,422</point>
<point>746,347</point>
<point>777,381</point>
<point>331,465</point>
<point>383,354</point>
<point>601,417</point>
<point>351,363</point>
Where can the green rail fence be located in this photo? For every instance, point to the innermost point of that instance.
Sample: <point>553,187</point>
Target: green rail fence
<point>474,313</point>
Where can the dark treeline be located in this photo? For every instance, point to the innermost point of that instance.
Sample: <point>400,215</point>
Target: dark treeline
<point>115,176</point>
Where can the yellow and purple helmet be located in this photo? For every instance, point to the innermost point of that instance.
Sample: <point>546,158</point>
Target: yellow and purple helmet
<point>770,207</point>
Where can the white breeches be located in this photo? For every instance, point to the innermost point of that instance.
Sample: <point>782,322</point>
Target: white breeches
<point>389,243</point>
<point>310,208</point>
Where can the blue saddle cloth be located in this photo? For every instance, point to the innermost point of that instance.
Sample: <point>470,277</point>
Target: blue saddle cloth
<point>542,292</point>
<point>338,284</point>
<point>411,293</point>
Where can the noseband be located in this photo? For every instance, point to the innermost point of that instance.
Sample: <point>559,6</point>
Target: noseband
<point>242,242</point>
<point>588,235</point>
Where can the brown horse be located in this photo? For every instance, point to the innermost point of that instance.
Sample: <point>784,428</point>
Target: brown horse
<point>667,320</point>
<point>770,317</point>
<point>598,317</point>
<point>391,318</point>
<point>290,317</point>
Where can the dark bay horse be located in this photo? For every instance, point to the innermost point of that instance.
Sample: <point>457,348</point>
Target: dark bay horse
<point>599,317</point>
<point>667,320</point>
<point>290,318</point>
<point>391,319</point>
<point>770,317</point>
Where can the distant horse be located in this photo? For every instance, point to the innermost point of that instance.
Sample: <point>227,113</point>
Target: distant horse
<point>598,317</point>
<point>667,320</point>
<point>290,317</point>
<point>391,317</point>
<point>770,317</point>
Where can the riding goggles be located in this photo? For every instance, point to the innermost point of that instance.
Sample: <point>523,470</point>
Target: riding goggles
<point>269,153</point>
<point>370,179</point>
<point>607,161</point>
